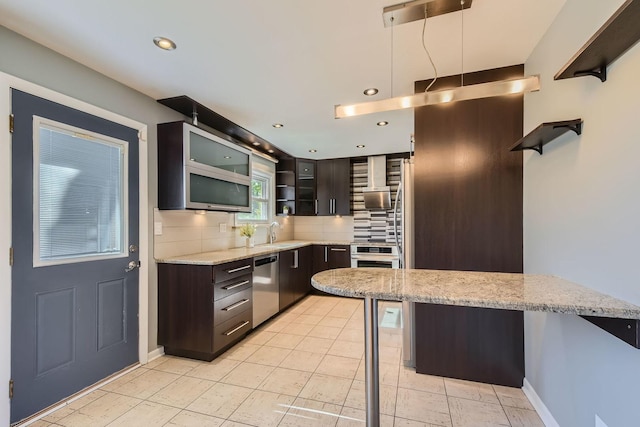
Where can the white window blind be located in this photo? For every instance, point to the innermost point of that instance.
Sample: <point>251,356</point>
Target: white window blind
<point>80,195</point>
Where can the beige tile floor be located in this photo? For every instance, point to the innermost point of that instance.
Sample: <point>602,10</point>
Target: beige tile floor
<point>304,368</point>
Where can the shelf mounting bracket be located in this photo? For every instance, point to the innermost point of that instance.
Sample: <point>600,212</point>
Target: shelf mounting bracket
<point>628,330</point>
<point>577,128</point>
<point>537,148</point>
<point>600,72</point>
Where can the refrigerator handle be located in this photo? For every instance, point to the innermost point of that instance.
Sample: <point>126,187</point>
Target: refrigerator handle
<point>395,221</point>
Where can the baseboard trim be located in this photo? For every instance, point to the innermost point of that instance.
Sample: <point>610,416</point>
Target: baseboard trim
<point>158,352</point>
<point>539,406</point>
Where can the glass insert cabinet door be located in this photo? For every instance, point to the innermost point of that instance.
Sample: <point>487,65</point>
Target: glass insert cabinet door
<point>306,187</point>
<point>204,149</point>
<point>215,193</point>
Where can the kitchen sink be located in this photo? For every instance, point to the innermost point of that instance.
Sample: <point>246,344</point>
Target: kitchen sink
<point>279,245</point>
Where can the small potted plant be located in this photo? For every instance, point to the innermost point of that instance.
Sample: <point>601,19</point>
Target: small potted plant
<point>248,230</point>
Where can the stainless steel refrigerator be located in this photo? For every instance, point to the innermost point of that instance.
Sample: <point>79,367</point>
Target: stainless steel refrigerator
<point>404,235</point>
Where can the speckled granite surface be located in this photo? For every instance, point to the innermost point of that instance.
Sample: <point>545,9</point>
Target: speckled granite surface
<point>524,292</point>
<point>227,255</point>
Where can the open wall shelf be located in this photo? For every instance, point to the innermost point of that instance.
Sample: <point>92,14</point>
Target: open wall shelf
<point>545,133</point>
<point>614,38</point>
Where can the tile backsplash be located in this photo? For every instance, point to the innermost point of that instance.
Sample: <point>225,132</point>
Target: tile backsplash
<point>323,228</point>
<point>373,226</point>
<point>186,232</point>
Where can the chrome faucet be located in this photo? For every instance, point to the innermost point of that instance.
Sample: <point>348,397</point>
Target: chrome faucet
<point>272,232</point>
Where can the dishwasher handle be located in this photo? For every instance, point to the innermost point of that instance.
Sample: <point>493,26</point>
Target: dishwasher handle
<point>266,260</point>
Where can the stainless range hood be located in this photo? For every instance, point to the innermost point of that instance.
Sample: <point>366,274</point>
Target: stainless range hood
<point>377,194</point>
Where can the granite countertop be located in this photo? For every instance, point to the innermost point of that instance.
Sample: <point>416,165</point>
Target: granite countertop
<point>509,291</point>
<point>234,254</point>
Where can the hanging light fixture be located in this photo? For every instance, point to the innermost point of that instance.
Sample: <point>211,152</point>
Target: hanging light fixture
<point>413,11</point>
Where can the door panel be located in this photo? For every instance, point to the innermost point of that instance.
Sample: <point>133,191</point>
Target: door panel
<point>74,314</point>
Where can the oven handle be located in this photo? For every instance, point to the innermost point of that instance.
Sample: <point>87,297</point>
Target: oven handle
<point>375,258</point>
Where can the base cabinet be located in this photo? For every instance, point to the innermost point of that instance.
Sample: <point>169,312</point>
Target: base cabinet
<point>203,310</point>
<point>295,275</point>
<point>476,344</point>
<point>326,257</point>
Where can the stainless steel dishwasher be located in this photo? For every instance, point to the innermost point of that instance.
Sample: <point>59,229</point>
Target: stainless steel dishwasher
<point>266,289</point>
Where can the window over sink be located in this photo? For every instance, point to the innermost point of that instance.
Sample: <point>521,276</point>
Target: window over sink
<point>262,182</point>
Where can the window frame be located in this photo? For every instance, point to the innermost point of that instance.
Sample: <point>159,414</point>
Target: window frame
<point>267,174</point>
<point>39,122</point>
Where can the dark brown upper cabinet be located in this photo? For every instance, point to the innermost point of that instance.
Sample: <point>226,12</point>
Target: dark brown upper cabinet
<point>333,185</point>
<point>306,199</point>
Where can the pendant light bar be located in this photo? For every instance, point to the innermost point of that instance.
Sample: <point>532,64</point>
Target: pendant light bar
<point>482,90</point>
<point>419,9</point>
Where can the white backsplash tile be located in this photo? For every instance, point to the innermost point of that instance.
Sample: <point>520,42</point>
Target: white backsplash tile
<point>186,232</point>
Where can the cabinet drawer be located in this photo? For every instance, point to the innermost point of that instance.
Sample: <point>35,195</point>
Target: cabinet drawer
<point>226,308</point>
<point>232,330</point>
<point>231,270</point>
<point>230,287</point>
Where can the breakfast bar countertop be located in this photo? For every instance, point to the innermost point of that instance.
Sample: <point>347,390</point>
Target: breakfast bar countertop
<point>508,291</point>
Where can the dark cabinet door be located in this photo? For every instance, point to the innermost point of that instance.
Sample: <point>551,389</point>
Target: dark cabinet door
<point>303,271</point>
<point>339,256</point>
<point>320,258</point>
<point>185,303</point>
<point>324,186</point>
<point>341,187</point>
<point>286,279</point>
<point>295,275</point>
<point>333,186</point>
<point>306,187</point>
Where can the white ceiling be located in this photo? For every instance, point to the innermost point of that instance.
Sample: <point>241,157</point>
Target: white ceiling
<point>259,62</point>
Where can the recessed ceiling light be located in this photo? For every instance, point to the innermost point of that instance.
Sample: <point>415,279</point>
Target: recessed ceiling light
<point>270,150</point>
<point>227,157</point>
<point>360,146</point>
<point>256,143</point>
<point>164,43</point>
<point>371,91</point>
<point>277,125</point>
<point>383,123</point>
<point>313,150</point>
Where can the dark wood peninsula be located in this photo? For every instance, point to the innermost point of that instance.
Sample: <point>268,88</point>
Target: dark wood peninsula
<point>468,216</point>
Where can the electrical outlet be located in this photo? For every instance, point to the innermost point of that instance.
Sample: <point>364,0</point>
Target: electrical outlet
<point>157,228</point>
<point>223,227</point>
<point>599,422</point>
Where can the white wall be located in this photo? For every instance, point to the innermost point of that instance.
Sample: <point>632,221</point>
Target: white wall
<point>582,222</point>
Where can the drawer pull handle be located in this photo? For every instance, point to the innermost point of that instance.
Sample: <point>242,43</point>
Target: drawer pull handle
<point>338,249</point>
<point>233,270</point>
<point>236,285</point>
<point>236,305</point>
<point>237,328</point>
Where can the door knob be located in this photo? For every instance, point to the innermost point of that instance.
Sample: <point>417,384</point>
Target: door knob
<point>132,266</point>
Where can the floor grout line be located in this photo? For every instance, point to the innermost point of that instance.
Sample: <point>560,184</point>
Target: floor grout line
<point>282,323</point>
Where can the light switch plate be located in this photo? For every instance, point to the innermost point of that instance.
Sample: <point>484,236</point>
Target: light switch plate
<point>223,227</point>
<point>157,228</point>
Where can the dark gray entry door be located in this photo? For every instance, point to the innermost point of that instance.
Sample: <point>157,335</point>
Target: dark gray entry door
<point>75,215</point>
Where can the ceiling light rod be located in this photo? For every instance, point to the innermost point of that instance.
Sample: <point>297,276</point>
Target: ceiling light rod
<point>415,10</point>
<point>482,90</point>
